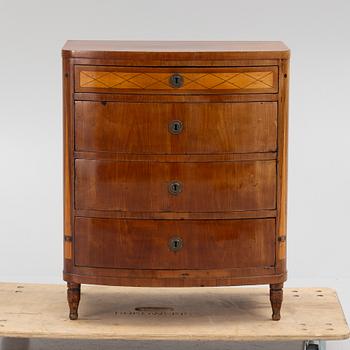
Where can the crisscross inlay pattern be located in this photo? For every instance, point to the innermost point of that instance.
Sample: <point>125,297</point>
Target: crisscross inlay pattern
<point>191,81</point>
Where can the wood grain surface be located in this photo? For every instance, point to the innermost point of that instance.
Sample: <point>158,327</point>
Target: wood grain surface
<point>193,80</point>
<point>145,128</point>
<point>146,243</point>
<point>232,314</point>
<point>175,50</point>
<point>144,186</point>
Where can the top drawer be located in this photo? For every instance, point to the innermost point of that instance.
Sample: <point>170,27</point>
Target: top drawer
<point>176,79</point>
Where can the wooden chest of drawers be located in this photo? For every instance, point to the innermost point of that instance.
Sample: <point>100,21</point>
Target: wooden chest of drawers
<point>175,164</point>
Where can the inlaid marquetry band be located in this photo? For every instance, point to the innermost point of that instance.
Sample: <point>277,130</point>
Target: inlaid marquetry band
<point>68,250</point>
<point>67,247</point>
<point>242,80</point>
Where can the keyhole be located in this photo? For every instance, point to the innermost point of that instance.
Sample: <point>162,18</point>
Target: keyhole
<point>176,80</point>
<point>175,188</point>
<point>175,244</point>
<point>175,127</point>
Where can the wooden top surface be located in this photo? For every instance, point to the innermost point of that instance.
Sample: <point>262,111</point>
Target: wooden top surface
<point>177,49</point>
<point>237,314</point>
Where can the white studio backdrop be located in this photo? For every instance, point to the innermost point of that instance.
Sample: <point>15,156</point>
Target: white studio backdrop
<point>318,33</point>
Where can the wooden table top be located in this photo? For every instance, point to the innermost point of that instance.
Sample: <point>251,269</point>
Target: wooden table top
<point>231,314</point>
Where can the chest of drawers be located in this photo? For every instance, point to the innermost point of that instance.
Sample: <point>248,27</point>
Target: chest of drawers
<point>175,164</point>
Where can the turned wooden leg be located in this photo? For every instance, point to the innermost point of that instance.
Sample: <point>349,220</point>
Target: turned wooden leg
<point>276,297</point>
<point>73,296</point>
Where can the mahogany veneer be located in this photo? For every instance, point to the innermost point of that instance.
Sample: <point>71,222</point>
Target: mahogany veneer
<point>142,128</point>
<point>144,185</point>
<point>175,164</point>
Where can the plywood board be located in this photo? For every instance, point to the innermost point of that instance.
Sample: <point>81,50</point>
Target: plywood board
<point>236,314</point>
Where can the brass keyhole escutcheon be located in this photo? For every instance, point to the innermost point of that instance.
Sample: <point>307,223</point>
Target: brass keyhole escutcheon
<point>175,127</point>
<point>175,244</point>
<point>176,80</point>
<point>175,187</point>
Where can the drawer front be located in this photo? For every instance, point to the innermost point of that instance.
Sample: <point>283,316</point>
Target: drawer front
<point>176,80</point>
<point>149,244</point>
<point>175,128</point>
<point>147,186</point>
